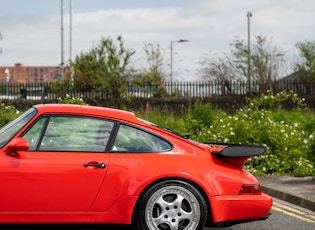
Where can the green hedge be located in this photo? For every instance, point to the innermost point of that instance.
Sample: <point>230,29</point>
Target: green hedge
<point>288,135</point>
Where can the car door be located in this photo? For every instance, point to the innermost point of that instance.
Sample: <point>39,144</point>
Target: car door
<point>63,169</point>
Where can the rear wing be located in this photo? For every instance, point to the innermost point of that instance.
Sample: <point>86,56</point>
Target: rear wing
<point>239,150</point>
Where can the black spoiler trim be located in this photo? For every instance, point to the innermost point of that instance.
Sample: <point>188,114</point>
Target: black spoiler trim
<point>240,150</point>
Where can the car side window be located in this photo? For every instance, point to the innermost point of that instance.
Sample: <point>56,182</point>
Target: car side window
<point>131,139</point>
<point>33,134</point>
<point>71,133</point>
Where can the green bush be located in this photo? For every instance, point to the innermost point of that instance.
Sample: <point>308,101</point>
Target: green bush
<point>199,116</point>
<point>68,100</point>
<point>7,114</point>
<point>288,135</point>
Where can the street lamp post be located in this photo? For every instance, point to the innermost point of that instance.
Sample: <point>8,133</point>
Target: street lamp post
<point>171,64</point>
<point>249,15</point>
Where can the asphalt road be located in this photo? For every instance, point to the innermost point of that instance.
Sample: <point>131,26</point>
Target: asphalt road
<point>284,216</point>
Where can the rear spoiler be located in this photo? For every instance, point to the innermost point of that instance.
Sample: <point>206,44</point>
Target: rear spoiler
<point>239,150</point>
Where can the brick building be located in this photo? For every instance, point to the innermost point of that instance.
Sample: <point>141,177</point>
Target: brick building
<point>29,74</point>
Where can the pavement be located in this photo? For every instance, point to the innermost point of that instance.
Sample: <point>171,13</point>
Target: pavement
<point>296,190</point>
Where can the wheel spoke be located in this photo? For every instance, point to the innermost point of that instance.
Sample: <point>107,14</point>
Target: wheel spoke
<point>159,220</point>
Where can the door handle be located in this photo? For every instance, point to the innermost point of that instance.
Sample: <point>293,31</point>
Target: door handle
<point>99,165</point>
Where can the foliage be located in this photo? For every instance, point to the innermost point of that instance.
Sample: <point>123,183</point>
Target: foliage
<point>183,121</point>
<point>154,58</point>
<point>287,136</point>
<point>103,68</point>
<point>271,101</point>
<point>260,64</point>
<point>150,80</point>
<point>7,114</point>
<point>165,118</point>
<point>306,68</point>
<point>199,116</point>
<point>68,100</point>
<point>154,75</point>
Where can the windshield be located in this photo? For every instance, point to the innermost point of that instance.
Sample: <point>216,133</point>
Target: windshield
<point>12,128</point>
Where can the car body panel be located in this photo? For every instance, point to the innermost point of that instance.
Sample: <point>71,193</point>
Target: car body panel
<point>244,207</point>
<point>59,186</point>
<point>45,181</point>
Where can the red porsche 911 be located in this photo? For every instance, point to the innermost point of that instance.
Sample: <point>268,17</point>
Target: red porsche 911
<point>87,164</point>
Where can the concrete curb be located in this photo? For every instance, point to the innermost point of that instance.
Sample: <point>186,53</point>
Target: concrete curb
<point>289,198</point>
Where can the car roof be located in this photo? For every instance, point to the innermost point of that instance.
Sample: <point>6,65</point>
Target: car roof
<point>87,110</point>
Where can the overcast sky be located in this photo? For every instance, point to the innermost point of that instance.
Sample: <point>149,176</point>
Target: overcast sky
<point>31,29</point>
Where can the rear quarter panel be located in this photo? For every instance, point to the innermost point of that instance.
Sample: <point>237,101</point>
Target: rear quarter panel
<point>130,173</point>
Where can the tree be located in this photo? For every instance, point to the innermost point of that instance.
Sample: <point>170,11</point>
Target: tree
<point>306,67</point>
<point>154,74</point>
<point>264,65</point>
<point>154,59</point>
<point>104,67</point>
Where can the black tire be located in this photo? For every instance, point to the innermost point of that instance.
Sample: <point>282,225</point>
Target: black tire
<point>171,205</point>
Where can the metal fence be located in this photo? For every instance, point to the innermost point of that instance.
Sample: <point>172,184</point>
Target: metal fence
<point>39,91</point>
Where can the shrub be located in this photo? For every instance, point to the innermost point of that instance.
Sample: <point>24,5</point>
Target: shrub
<point>287,135</point>
<point>68,100</point>
<point>7,114</point>
<point>199,116</point>
<point>259,122</point>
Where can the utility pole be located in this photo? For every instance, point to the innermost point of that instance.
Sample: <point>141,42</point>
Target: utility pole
<point>70,59</point>
<point>62,58</point>
<point>249,15</point>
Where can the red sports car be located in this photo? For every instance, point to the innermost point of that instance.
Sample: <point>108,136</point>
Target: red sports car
<point>86,164</point>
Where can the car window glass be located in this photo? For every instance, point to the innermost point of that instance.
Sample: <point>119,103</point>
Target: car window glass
<point>33,134</point>
<point>12,128</point>
<point>65,133</point>
<point>131,139</point>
